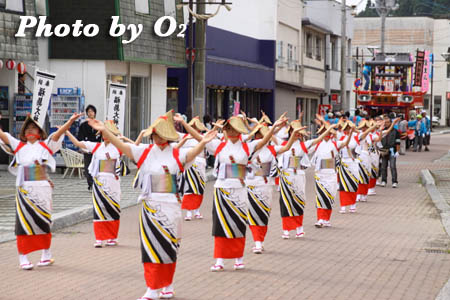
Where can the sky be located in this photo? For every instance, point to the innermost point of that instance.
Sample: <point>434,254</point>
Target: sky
<point>361,4</point>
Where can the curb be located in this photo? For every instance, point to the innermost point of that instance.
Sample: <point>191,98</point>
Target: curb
<point>444,210</point>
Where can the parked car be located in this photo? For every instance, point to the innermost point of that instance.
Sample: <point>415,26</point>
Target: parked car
<point>436,121</point>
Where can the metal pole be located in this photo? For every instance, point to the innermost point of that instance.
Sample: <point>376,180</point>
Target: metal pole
<point>383,30</point>
<point>343,50</point>
<point>200,63</point>
<point>432,100</point>
<point>189,53</point>
<point>356,74</point>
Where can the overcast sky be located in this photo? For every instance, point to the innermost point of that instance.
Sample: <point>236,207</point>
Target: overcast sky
<point>361,3</point>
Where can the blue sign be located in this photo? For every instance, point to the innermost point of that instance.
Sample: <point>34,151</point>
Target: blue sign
<point>69,91</point>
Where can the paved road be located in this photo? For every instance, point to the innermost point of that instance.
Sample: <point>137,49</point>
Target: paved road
<point>392,248</point>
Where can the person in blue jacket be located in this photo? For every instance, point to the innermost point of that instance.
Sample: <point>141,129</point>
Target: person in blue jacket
<point>420,131</point>
<point>426,140</point>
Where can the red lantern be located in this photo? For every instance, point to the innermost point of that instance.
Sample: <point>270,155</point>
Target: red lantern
<point>1,64</point>
<point>10,64</point>
<point>21,68</point>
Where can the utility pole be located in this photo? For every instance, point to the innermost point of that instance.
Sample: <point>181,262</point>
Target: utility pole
<point>384,7</point>
<point>190,52</point>
<point>343,52</point>
<point>200,63</point>
<point>356,74</point>
<point>201,17</point>
<point>432,84</point>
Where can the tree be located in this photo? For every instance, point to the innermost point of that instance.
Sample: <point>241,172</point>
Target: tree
<point>368,12</point>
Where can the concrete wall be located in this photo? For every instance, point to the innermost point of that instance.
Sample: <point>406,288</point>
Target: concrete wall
<point>329,13</point>
<point>158,91</point>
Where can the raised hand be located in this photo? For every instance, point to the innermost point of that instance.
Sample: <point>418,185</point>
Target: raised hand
<point>96,124</point>
<point>243,114</point>
<point>209,136</point>
<point>75,116</point>
<point>178,118</point>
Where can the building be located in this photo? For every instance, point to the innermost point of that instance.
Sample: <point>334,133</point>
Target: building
<point>240,61</point>
<point>324,17</point>
<point>408,34</point>
<point>89,63</point>
<point>17,50</point>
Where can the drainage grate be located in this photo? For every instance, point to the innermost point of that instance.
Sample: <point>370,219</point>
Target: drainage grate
<point>438,251</point>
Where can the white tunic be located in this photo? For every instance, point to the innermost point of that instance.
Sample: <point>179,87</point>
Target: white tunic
<point>265,156</point>
<point>284,162</point>
<point>103,152</point>
<point>153,165</point>
<point>29,154</point>
<point>240,157</point>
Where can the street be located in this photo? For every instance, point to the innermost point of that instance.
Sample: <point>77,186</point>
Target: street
<point>394,247</point>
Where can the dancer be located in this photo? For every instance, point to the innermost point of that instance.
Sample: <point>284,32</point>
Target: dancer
<point>33,156</point>
<point>230,194</point>
<point>260,182</point>
<point>293,180</point>
<point>195,176</point>
<point>324,160</point>
<point>104,169</point>
<point>348,171</point>
<point>160,165</point>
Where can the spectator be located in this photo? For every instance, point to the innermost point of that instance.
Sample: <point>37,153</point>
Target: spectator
<point>403,130</point>
<point>389,153</point>
<point>426,120</point>
<point>419,132</point>
<point>87,133</point>
<point>207,121</point>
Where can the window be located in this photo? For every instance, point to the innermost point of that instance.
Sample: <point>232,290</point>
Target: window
<point>12,5</point>
<point>334,62</point>
<point>437,106</point>
<point>448,70</point>
<point>169,8</point>
<point>290,56</point>
<point>309,45</point>
<point>141,6</point>
<point>280,58</point>
<point>318,48</point>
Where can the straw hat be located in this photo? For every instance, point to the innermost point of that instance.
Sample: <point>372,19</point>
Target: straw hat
<point>27,121</point>
<point>197,123</point>
<point>362,124</point>
<point>296,124</point>
<point>237,124</point>
<point>371,123</point>
<point>164,127</point>
<point>111,126</point>
<point>325,127</point>
<point>255,130</point>
<point>265,119</point>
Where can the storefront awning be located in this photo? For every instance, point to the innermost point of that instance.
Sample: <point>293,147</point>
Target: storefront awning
<point>298,87</point>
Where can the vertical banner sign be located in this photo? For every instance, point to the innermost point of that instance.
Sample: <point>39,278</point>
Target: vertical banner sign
<point>323,109</point>
<point>116,104</point>
<point>418,69</point>
<point>43,85</point>
<point>236,108</point>
<point>426,72</point>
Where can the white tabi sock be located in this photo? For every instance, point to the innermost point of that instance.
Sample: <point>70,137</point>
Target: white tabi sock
<point>240,260</point>
<point>23,259</point>
<point>285,232</point>
<point>46,255</point>
<point>258,244</point>
<point>353,206</point>
<point>197,212</point>
<point>152,294</point>
<point>189,213</point>
<point>168,289</point>
<point>219,262</point>
<point>358,197</point>
<point>299,229</point>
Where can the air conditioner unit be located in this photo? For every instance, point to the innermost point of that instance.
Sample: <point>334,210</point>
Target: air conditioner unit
<point>364,98</point>
<point>406,99</point>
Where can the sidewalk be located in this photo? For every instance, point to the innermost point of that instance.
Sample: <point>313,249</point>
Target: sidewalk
<point>392,248</point>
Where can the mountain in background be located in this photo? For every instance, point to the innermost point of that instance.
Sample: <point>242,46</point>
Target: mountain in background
<point>408,8</point>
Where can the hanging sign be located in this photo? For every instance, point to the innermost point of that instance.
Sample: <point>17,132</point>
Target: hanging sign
<point>116,104</point>
<point>43,85</point>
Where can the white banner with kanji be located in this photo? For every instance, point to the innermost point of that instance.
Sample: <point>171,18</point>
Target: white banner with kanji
<point>43,85</point>
<point>116,104</point>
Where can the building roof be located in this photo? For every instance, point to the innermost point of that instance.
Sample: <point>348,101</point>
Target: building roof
<point>316,25</point>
